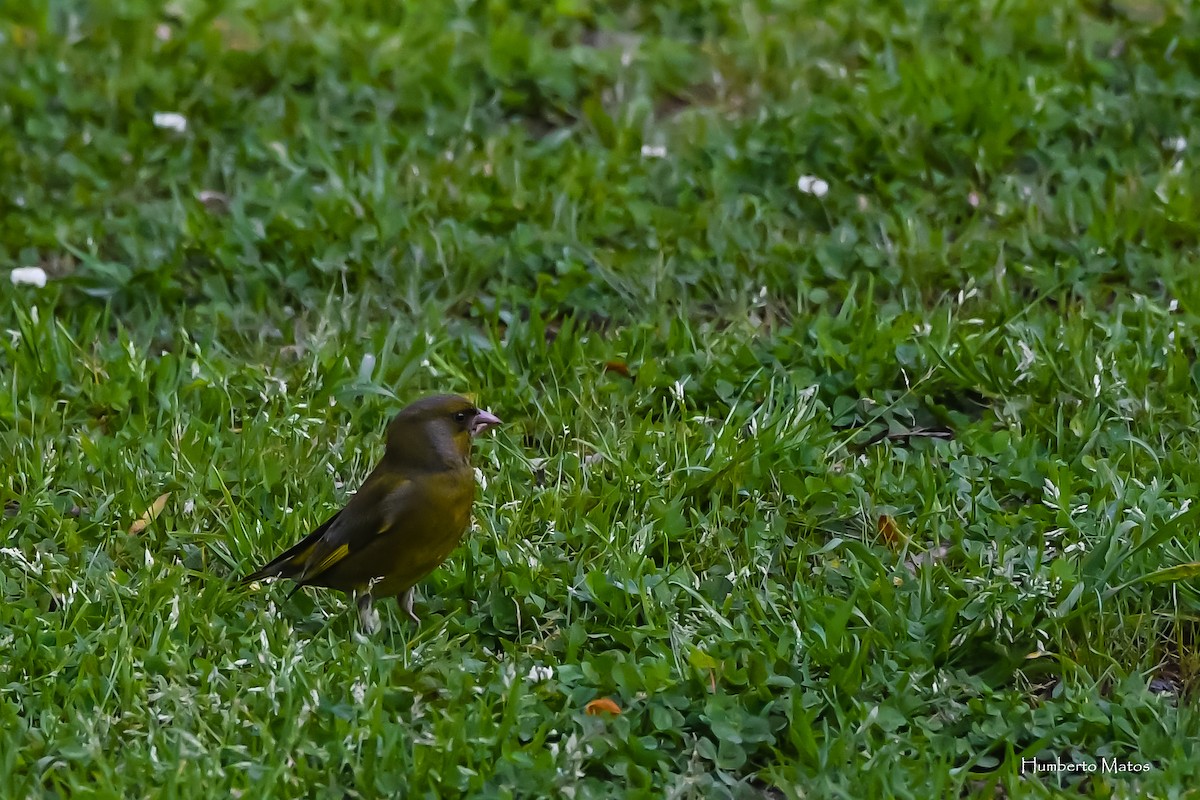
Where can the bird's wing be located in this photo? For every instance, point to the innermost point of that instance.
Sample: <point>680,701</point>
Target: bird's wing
<point>370,512</point>
<point>290,562</point>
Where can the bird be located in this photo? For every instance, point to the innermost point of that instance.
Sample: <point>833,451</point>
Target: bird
<point>407,517</point>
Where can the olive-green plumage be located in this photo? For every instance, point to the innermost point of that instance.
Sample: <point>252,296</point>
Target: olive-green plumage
<point>410,513</point>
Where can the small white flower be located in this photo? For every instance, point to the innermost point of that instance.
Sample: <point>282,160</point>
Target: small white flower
<point>654,151</point>
<point>679,389</point>
<point>538,673</point>
<point>213,199</point>
<point>1050,488</point>
<point>1028,359</point>
<point>810,184</point>
<point>1178,144</point>
<point>171,121</point>
<point>28,276</point>
<point>33,567</point>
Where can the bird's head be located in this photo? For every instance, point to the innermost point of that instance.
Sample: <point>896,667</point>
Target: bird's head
<point>435,432</point>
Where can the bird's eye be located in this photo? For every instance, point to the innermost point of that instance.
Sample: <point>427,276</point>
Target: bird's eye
<point>460,416</point>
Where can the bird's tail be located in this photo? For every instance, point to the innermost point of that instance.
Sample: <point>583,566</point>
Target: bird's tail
<point>288,565</point>
<point>283,566</point>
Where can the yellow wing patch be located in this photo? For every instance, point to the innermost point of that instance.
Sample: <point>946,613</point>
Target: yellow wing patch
<point>336,555</point>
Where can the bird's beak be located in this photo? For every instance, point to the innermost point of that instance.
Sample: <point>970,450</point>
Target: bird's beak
<point>483,421</point>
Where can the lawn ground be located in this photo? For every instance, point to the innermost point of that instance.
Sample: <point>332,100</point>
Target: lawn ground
<point>847,353</point>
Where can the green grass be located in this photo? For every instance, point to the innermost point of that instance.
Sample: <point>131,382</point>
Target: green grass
<point>525,201</point>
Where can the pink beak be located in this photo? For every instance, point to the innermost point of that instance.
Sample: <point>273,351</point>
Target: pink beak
<point>483,421</point>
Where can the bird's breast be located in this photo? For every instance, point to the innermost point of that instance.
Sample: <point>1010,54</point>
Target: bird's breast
<point>452,494</point>
<point>428,534</point>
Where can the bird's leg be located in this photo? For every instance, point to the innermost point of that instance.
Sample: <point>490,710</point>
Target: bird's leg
<point>367,615</point>
<point>406,602</point>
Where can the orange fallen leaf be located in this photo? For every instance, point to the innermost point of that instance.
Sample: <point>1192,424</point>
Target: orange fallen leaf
<point>619,367</point>
<point>602,705</point>
<point>153,511</point>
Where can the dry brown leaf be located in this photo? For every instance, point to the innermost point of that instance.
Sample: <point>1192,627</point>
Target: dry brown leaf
<point>151,513</point>
<point>236,35</point>
<point>889,531</point>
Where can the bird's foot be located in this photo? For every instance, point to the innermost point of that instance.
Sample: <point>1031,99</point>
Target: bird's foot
<point>406,602</point>
<point>367,615</point>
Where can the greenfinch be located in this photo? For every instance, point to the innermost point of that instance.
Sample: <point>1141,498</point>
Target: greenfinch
<point>410,513</point>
